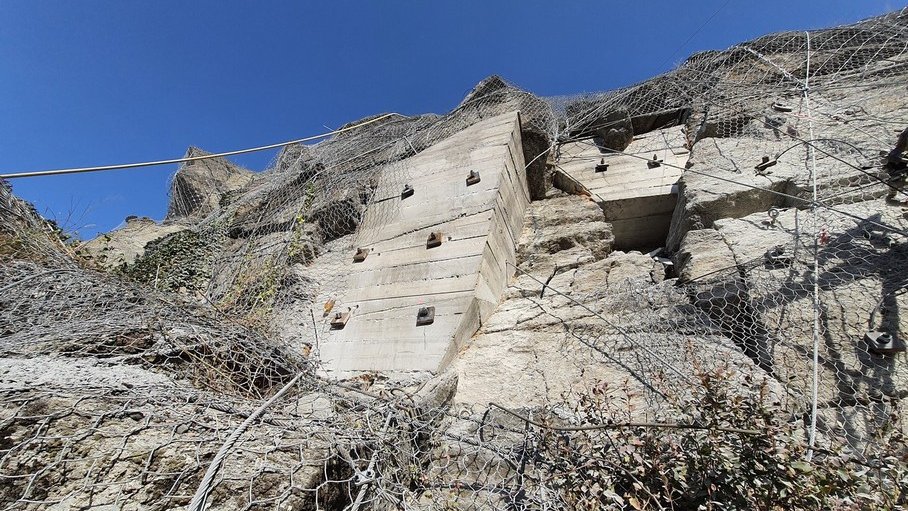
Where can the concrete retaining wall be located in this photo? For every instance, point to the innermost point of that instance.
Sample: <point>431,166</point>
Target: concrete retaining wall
<point>463,278</point>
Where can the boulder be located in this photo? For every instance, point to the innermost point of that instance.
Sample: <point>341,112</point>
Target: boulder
<point>703,253</point>
<point>721,182</point>
<point>564,230</point>
<point>198,186</point>
<point>614,131</point>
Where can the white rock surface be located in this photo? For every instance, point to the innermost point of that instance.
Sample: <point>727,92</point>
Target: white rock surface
<point>124,245</point>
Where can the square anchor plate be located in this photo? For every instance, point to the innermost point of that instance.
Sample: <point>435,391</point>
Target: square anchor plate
<point>361,254</point>
<point>434,240</point>
<point>425,316</point>
<point>340,320</point>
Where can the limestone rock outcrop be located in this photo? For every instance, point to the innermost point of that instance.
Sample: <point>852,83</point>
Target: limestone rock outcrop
<point>199,186</point>
<point>122,246</point>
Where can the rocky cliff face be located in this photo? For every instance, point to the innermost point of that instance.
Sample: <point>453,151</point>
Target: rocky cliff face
<point>199,186</point>
<point>718,249</point>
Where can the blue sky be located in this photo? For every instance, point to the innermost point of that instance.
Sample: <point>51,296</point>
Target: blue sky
<point>100,82</point>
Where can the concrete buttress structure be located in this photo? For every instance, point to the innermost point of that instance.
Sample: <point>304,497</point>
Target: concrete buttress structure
<point>636,193</point>
<point>469,192</point>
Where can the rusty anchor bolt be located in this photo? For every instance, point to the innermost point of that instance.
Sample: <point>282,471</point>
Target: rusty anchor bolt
<point>340,320</point>
<point>654,163</point>
<point>601,166</point>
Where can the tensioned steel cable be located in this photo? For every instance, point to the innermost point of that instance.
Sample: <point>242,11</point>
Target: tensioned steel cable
<point>124,166</point>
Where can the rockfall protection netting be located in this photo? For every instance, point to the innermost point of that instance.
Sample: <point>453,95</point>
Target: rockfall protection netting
<point>253,250</point>
<point>758,374</point>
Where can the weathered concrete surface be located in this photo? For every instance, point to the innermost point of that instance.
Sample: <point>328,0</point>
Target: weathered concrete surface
<point>493,96</point>
<point>463,278</point>
<point>638,201</point>
<point>124,245</point>
<point>722,182</point>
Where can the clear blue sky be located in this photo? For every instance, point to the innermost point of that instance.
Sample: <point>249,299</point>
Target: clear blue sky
<point>100,82</point>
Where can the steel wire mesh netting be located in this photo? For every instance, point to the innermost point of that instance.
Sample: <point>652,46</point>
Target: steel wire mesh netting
<point>771,347</point>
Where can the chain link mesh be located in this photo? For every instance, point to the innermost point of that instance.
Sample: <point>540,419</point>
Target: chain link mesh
<point>759,341</point>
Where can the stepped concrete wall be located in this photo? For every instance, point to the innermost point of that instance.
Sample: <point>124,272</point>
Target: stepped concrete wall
<point>463,278</point>
<point>637,200</point>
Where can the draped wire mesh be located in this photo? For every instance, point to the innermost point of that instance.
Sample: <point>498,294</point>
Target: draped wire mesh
<point>116,394</point>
